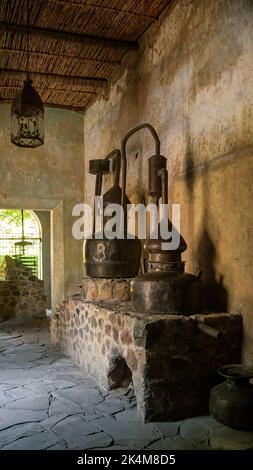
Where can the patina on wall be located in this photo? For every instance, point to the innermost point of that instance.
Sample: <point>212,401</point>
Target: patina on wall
<point>192,79</point>
<point>49,178</point>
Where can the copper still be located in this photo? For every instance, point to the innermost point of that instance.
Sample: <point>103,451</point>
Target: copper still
<point>164,287</point>
<point>117,257</point>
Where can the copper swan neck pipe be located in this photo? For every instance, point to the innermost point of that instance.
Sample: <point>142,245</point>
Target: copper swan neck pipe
<point>123,152</point>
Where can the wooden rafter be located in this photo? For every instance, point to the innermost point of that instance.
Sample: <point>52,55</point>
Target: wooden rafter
<point>49,104</point>
<point>74,45</point>
<point>93,82</point>
<point>105,8</point>
<point>48,88</point>
<point>86,39</point>
<point>63,54</point>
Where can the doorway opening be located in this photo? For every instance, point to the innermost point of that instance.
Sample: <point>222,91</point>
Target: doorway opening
<point>21,238</point>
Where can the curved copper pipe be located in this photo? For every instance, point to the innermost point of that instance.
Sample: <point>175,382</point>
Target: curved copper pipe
<point>123,153</point>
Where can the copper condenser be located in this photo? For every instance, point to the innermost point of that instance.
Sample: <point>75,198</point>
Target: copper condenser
<point>163,287</point>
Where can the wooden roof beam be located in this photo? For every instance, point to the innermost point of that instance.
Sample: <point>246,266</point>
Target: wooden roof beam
<point>48,88</point>
<point>85,39</point>
<point>76,108</point>
<point>63,54</point>
<point>92,82</point>
<point>103,7</point>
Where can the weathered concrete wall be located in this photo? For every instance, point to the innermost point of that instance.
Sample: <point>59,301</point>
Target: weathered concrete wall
<point>192,79</point>
<point>48,177</point>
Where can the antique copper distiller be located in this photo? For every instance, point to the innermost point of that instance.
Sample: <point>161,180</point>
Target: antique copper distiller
<point>117,257</point>
<point>163,287</point>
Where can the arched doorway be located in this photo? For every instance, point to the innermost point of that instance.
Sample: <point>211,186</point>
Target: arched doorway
<point>21,238</point>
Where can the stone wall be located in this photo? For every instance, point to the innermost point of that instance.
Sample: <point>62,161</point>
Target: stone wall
<point>192,79</point>
<point>22,293</point>
<point>106,290</point>
<point>171,363</point>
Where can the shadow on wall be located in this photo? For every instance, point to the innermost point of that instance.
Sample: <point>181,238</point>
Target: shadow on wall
<point>214,295</point>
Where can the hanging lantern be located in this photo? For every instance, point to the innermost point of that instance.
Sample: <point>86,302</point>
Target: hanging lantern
<point>21,246</point>
<point>27,117</point>
<point>27,112</point>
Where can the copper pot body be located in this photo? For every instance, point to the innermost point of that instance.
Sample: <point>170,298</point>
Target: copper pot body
<point>231,402</point>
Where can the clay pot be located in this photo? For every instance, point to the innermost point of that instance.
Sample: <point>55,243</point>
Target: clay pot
<point>231,402</point>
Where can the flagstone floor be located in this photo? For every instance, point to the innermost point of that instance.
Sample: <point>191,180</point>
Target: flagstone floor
<point>46,402</point>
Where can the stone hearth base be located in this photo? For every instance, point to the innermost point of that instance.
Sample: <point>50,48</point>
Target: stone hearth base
<point>171,363</point>
<point>105,290</point>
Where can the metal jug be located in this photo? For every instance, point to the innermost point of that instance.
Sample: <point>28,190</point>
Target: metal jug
<point>231,402</point>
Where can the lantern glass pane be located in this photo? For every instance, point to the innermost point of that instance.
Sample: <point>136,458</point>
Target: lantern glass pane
<point>28,131</point>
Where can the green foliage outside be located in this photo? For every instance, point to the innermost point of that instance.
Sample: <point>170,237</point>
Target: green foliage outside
<point>10,223</point>
<point>11,227</point>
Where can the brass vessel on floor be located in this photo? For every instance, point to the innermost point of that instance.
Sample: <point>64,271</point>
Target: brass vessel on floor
<point>231,402</point>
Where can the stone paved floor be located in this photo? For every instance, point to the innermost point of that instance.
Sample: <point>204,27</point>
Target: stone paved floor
<point>46,402</point>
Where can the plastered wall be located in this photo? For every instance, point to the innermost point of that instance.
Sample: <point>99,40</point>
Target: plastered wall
<point>48,178</point>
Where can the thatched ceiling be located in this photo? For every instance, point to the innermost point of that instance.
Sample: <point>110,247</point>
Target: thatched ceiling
<point>75,45</point>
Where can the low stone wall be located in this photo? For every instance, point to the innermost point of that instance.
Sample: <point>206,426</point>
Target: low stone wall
<point>107,290</point>
<point>22,293</point>
<point>171,363</point>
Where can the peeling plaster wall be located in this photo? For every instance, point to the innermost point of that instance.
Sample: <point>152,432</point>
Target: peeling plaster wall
<point>192,78</point>
<point>43,177</point>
